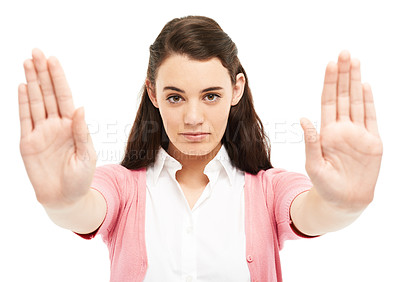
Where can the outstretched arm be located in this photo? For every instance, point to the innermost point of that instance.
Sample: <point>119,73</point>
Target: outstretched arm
<point>56,147</point>
<point>343,160</point>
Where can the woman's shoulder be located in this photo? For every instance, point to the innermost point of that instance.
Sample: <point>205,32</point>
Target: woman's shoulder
<point>277,175</point>
<point>119,172</point>
<point>277,171</point>
<point>270,172</point>
<point>120,169</point>
<point>118,179</point>
<point>281,182</point>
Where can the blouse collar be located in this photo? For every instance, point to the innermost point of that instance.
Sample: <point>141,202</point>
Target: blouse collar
<point>220,162</point>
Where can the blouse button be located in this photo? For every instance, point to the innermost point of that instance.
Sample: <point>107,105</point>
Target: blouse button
<point>249,258</point>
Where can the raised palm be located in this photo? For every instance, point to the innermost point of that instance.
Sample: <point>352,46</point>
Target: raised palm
<point>55,145</point>
<point>343,161</point>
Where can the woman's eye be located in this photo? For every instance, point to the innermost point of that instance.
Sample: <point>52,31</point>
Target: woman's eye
<point>209,97</point>
<point>212,96</point>
<point>173,99</point>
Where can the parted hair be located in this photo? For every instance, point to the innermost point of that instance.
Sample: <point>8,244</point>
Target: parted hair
<point>200,38</point>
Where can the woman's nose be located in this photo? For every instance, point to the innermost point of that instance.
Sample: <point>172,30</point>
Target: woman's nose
<point>193,114</point>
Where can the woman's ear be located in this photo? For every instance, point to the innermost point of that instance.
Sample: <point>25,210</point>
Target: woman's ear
<point>152,94</point>
<point>238,89</point>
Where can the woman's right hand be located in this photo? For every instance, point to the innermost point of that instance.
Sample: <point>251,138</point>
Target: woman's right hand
<point>55,143</point>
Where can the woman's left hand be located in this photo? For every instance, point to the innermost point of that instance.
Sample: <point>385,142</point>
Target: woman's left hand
<point>343,161</point>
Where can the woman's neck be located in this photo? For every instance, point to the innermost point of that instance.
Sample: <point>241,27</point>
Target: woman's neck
<point>193,164</point>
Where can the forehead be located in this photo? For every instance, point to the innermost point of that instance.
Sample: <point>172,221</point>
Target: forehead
<point>180,69</point>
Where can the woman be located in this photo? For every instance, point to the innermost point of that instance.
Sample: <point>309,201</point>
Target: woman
<point>196,197</point>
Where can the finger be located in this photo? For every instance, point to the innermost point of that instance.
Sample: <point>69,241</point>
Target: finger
<point>343,111</point>
<point>24,110</point>
<point>314,157</point>
<point>328,99</point>
<point>83,141</point>
<point>63,93</point>
<point>46,85</point>
<point>34,93</point>
<point>369,108</point>
<point>356,94</point>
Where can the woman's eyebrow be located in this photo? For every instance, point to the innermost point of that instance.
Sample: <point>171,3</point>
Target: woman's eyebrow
<point>181,91</point>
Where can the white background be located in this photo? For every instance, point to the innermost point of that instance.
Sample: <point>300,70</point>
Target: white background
<point>284,47</point>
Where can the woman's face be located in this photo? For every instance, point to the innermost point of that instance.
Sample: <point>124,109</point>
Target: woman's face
<point>194,97</point>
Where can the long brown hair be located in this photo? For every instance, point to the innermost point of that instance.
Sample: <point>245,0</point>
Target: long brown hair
<point>200,38</point>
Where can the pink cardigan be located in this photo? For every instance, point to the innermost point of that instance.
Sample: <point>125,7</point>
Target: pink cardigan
<point>268,196</point>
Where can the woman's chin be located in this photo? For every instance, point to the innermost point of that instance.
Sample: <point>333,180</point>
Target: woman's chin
<point>194,149</point>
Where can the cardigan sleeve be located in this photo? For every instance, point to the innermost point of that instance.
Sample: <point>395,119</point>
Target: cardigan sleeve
<point>108,181</point>
<point>285,187</point>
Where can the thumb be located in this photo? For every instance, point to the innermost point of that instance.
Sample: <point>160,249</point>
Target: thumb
<point>313,145</point>
<point>82,140</point>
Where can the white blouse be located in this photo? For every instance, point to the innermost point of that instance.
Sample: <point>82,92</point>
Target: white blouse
<point>205,244</point>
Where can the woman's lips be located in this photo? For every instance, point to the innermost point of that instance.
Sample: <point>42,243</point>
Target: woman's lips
<point>195,136</point>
